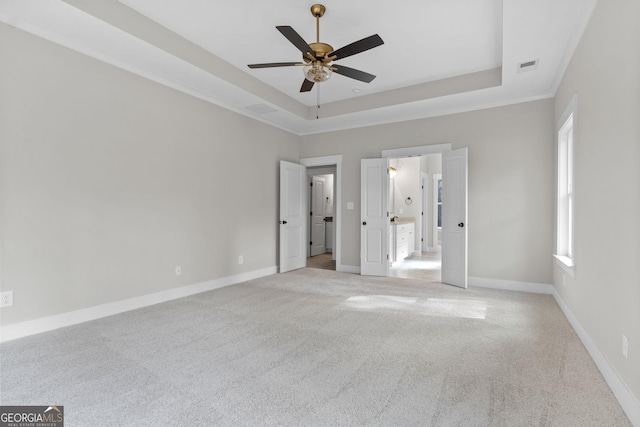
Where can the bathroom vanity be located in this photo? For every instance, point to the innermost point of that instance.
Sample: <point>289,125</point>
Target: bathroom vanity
<point>402,239</point>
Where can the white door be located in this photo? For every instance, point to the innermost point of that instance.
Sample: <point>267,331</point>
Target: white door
<point>293,248</point>
<point>318,245</point>
<point>454,217</point>
<point>424,233</point>
<point>374,214</point>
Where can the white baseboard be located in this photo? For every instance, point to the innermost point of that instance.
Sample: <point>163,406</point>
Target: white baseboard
<point>511,285</point>
<point>44,324</point>
<point>629,402</point>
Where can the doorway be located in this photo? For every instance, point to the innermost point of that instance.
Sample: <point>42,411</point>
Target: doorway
<point>416,207</point>
<point>293,241</point>
<point>321,224</point>
<point>378,249</point>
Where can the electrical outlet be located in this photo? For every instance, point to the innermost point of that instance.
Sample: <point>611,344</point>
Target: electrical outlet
<point>6,299</point>
<point>178,270</point>
<point>240,259</point>
<point>625,346</point>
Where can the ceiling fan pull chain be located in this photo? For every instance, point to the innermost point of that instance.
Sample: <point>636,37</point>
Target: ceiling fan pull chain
<point>318,102</point>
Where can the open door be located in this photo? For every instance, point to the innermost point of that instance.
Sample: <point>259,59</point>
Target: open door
<point>454,217</point>
<point>293,215</point>
<point>318,225</point>
<point>374,213</point>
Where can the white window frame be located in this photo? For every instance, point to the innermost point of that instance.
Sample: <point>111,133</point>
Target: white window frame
<point>565,196</point>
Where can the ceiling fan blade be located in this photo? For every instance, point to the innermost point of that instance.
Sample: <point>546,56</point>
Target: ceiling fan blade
<point>296,40</point>
<point>275,64</point>
<point>353,73</point>
<point>357,47</point>
<point>306,85</point>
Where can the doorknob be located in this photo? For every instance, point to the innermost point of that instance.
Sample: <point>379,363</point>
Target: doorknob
<point>461,224</point>
<point>283,222</point>
<point>364,222</point>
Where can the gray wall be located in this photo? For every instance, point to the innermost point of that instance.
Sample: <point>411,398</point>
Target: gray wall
<point>109,181</point>
<point>510,182</point>
<point>604,73</point>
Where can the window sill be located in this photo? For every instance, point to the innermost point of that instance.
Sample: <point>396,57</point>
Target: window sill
<point>566,264</point>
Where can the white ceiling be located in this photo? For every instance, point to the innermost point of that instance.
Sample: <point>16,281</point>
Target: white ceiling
<point>438,57</point>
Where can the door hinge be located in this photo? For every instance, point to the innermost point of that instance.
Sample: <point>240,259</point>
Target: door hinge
<point>387,214</point>
<point>310,243</point>
<point>387,256</point>
<point>310,213</point>
<point>311,184</point>
<point>421,239</point>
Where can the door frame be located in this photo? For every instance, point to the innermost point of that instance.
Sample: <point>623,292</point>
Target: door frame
<point>424,238</point>
<point>337,197</point>
<point>312,190</point>
<point>418,151</point>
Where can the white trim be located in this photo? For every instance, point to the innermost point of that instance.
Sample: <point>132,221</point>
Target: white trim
<point>434,229</point>
<point>566,166</point>
<point>566,264</point>
<point>356,122</point>
<point>424,218</point>
<point>630,404</point>
<point>416,151</point>
<point>571,108</point>
<point>337,199</point>
<point>511,285</point>
<point>44,324</point>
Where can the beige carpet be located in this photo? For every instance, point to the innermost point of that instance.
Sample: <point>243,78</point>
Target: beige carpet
<point>318,348</point>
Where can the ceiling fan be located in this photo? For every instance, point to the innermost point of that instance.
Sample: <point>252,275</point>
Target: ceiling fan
<point>318,57</point>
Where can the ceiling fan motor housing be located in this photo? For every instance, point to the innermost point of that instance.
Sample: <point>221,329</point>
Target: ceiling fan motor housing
<point>320,50</point>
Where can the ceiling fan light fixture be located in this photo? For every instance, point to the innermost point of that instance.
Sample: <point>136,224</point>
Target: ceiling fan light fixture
<point>317,72</point>
<point>318,57</point>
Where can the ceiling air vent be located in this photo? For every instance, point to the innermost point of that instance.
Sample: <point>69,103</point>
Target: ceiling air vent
<point>527,66</point>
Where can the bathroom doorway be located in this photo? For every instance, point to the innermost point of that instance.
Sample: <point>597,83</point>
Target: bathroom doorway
<point>415,200</point>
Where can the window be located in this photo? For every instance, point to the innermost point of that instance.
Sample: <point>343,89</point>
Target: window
<point>566,186</point>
